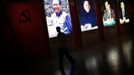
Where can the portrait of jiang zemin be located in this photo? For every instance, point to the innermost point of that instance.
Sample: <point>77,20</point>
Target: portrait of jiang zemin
<point>108,15</point>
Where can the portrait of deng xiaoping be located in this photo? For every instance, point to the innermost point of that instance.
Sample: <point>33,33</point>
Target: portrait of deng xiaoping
<point>87,15</point>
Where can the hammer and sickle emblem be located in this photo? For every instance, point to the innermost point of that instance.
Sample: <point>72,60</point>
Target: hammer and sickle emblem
<point>25,17</point>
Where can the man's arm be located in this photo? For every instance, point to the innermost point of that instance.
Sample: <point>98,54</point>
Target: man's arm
<point>68,25</point>
<point>104,16</point>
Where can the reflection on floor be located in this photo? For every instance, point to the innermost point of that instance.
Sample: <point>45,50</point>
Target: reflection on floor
<point>114,57</point>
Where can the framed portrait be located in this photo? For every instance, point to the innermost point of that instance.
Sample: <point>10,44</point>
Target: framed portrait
<point>57,14</point>
<point>123,12</point>
<point>87,15</point>
<point>108,15</point>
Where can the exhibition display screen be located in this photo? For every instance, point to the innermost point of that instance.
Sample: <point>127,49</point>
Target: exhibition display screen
<point>87,14</point>
<point>57,15</point>
<point>123,12</point>
<point>108,15</point>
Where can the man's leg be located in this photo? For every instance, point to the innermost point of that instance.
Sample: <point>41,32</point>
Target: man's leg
<point>61,54</point>
<point>69,57</point>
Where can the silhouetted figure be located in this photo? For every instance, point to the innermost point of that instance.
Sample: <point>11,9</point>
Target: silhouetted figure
<point>63,50</point>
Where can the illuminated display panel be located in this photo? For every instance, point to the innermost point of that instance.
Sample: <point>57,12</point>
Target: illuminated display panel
<point>123,12</point>
<point>108,15</point>
<point>57,14</point>
<point>87,15</point>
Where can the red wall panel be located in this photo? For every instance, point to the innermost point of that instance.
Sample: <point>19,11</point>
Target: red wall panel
<point>76,25</point>
<point>29,28</point>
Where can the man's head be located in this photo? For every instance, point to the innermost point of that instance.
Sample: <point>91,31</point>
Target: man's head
<point>58,29</point>
<point>107,6</point>
<point>86,6</point>
<point>57,5</point>
<point>122,5</point>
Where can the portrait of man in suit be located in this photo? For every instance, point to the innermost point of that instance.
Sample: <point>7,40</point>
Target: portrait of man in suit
<point>123,18</point>
<point>108,15</point>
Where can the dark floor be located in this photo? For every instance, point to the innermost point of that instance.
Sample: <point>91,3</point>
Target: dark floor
<point>112,57</point>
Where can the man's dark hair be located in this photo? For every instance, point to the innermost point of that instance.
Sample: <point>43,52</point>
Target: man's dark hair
<point>58,29</point>
<point>59,1</point>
